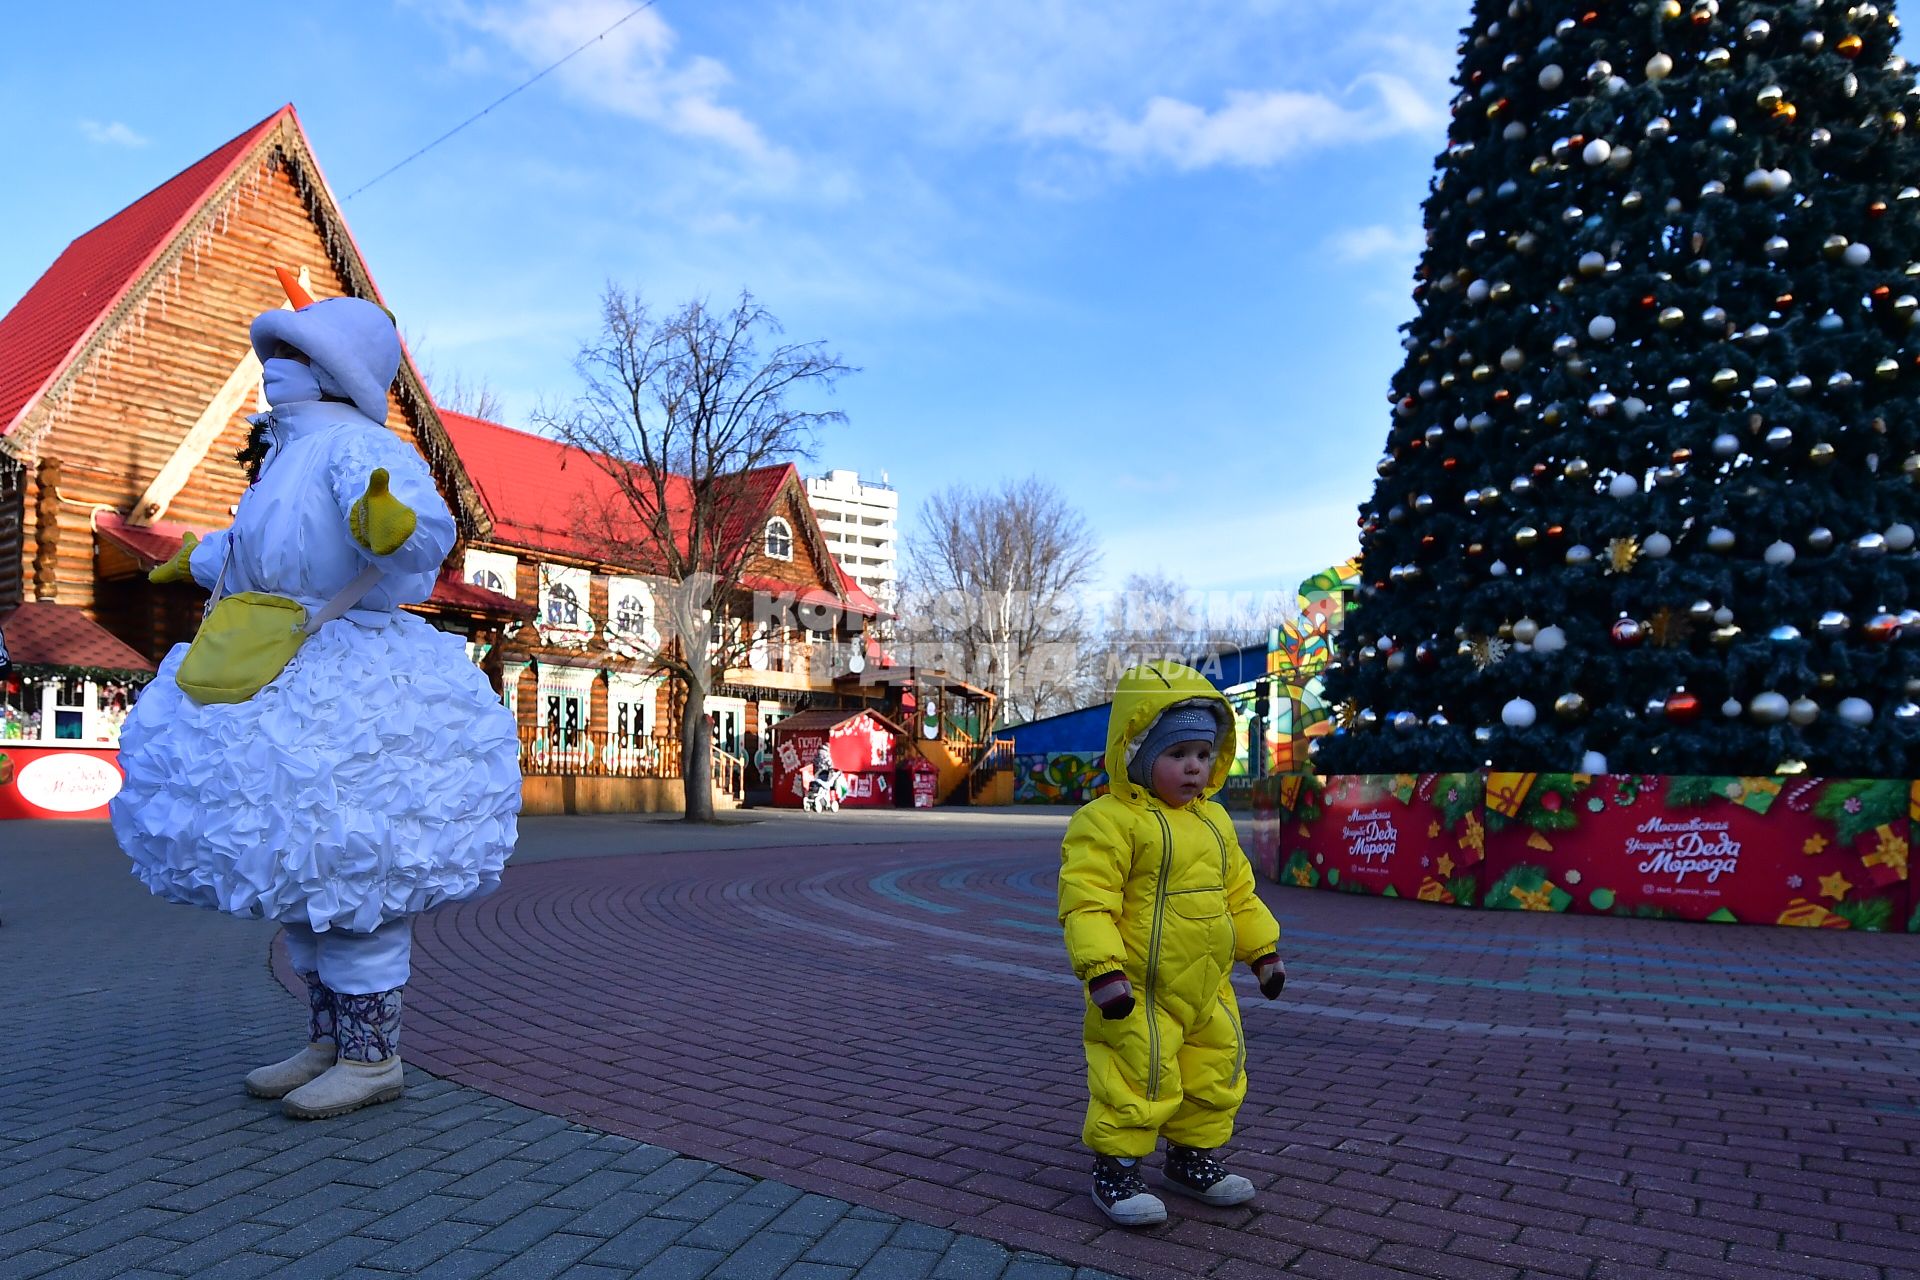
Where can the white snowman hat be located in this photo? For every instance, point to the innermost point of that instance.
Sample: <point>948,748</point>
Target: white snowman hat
<point>352,343</point>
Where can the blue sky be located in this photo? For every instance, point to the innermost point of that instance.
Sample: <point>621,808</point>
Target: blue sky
<point>1155,250</point>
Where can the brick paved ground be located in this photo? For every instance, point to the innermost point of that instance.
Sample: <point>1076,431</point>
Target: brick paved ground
<point>1441,1094</point>
<point>128,1149</point>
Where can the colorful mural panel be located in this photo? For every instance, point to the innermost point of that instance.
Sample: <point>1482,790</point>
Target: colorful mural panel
<point>1059,777</point>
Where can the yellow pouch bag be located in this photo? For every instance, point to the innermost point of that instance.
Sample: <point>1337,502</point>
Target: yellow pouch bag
<point>248,638</point>
<point>245,640</point>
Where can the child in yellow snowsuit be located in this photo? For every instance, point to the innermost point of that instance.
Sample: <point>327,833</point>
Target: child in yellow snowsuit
<point>1157,900</point>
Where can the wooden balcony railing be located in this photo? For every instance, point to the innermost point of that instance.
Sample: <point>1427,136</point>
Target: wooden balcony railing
<point>552,752</point>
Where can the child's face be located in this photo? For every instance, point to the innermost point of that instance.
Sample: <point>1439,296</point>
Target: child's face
<point>1181,772</point>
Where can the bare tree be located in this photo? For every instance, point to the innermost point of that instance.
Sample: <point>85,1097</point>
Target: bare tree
<point>678,412</point>
<point>994,584</point>
<point>1156,616</point>
<point>452,389</point>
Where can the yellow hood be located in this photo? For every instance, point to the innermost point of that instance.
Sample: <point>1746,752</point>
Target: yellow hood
<point>1143,693</point>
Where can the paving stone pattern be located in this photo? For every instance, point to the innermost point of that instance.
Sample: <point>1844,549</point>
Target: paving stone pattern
<point>1442,1093</point>
<point>128,1149</point>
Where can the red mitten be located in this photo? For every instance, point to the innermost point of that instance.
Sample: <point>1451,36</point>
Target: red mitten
<point>1270,971</point>
<point>1113,993</point>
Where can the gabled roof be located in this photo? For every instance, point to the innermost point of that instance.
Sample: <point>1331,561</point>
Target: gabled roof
<point>47,328</point>
<point>42,634</point>
<point>95,286</point>
<point>816,720</point>
<point>536,489</point>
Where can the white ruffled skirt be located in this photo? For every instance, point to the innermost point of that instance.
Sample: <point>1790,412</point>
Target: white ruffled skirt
<point>376,777</point>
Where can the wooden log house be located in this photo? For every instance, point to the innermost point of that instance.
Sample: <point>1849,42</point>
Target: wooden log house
<point>125,381</point>
<point>588,702</point>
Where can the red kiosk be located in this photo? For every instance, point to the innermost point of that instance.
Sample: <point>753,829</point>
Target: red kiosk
<point>865,747</point>
<point>71,685</point>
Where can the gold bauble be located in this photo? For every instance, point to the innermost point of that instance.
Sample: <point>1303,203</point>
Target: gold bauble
<point>1670,9</point>
<point>1887,370</point>
<point>1724,380</point>
<point>1821,454</point>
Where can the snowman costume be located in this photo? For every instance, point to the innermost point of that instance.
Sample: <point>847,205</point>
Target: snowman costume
<point>377,775</point>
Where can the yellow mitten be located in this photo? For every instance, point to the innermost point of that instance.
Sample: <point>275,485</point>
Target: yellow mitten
<point>178,569</point>
<point>380,522</point>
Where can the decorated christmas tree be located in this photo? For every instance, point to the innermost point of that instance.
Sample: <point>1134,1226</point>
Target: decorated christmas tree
<point>1650,492</point>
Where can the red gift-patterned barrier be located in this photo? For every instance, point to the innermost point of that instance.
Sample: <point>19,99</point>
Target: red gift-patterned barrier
<point>1821,852</point>
<point>1391,835</point>
<point>1815,852</point>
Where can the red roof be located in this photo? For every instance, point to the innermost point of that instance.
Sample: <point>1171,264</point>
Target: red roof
<point>451,593</point>
<point>149,545</point>
<point>155,544</point>
<point>814,721</point>
<point>539,490</point>
<point>47,328</point>
<point>61,635</point>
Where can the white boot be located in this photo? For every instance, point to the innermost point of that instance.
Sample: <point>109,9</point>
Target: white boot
<point>283,1077</point>
<point>369,1071</point>
<point>346,1086</point>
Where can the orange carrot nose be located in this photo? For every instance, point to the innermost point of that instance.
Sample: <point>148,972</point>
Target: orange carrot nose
<point>291,283</point>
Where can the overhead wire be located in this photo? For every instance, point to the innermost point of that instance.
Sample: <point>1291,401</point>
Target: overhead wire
<point>528,82</point>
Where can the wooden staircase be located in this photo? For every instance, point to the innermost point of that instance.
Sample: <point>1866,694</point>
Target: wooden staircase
<point>729,780</point>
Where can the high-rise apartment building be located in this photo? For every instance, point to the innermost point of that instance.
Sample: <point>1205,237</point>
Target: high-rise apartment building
<point>859,520</point>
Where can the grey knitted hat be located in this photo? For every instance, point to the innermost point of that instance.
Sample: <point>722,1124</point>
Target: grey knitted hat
<point>1175,726</point>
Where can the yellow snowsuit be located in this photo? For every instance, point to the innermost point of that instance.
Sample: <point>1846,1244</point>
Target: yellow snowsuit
<point>1165,895</point>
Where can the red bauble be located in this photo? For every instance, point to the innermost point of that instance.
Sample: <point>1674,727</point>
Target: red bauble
<point>1683,708</point>
<point>1551,802</point>
<point>1628,633</point>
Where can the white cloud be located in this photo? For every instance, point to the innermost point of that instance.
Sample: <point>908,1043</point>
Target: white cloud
<point>111,133</point>
<point>1363,244</point>
<point>635,70</point>
<point>1249,130</point>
